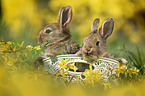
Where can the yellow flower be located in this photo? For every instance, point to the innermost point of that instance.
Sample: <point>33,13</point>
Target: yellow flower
<point>134,71</point>
<point>64,67</point>
<point>29,47</point>
<point>21,45</point>
<point>118,71</point>
<point>37,48</point>
<point>118,65</point>
<point>72,66</point>
<point>9,43</point>
<point>92,76</point>
<point>107,85</point>
<point>123,67</point>
<point>130,72</point>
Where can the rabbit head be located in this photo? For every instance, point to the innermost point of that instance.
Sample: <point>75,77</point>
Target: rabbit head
<point>56,32</point>
<point>94,45</point>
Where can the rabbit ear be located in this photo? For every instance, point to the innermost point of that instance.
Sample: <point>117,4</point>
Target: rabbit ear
<point>107,28</point>
<point>65,16</point>
<point>60,11</point>
<point>95,25</point>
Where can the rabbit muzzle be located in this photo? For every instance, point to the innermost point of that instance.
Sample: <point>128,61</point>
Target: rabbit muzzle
<point>88,51</point>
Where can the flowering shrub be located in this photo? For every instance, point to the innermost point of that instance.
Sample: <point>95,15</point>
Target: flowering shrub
<point>123,69</point>
<point>13,55</point>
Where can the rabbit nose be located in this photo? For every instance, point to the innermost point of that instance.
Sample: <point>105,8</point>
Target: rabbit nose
<point>88,51</point>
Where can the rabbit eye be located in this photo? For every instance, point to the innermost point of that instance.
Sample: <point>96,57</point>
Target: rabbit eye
<point>97,43</point>
<point>48,31</point>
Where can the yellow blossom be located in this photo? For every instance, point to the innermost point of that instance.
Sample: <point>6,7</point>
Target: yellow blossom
<point>65,66</point>
<point>123,69</point>
<point>92,76</point>
<point>21,45</point>
<point>37,48</point>
<point>29,47</point>
<point>107,85</point>
<point>9,43</point>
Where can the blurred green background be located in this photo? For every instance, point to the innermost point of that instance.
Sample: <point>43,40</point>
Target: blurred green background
<point>21,20</point>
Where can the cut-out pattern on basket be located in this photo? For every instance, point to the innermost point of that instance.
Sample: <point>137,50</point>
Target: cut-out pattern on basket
<point>103,65</point>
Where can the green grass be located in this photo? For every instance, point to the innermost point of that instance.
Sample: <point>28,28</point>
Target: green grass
<point>136,59</point>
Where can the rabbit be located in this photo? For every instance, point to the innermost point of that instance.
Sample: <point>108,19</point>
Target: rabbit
<point>94,45</point>
<point>56,37</point>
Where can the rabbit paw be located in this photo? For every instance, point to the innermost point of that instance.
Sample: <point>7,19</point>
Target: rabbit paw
<point>122,60</point>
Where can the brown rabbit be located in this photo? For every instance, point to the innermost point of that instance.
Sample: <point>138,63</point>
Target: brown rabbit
<point>94,45</point>
<point>56,37</point>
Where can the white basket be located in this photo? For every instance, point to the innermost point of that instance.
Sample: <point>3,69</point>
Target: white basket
<point>103,64</point>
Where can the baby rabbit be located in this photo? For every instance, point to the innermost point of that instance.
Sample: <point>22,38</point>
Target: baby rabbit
<point>94,45</point>
<point>56,37</point>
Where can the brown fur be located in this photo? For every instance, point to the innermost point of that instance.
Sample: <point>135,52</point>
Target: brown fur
<point>56,37</point>
<point>94,45</point>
